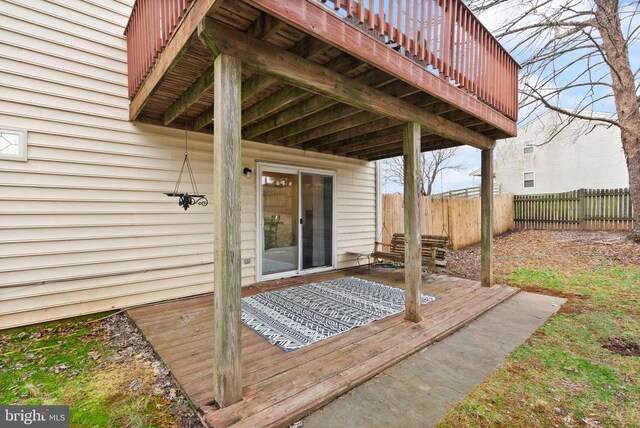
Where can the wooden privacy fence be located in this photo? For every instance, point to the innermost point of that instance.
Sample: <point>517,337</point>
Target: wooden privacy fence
<point>602,209</point>
<point>456,218</point>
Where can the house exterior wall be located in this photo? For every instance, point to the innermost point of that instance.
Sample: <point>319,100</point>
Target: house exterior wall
<point>84,226</point>
<point>575,159</point>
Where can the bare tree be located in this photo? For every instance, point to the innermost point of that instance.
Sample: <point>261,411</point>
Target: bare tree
<point>433,163</point>
<point>575,60</point>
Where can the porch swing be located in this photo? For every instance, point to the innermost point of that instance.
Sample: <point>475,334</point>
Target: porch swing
<point>434,248</point>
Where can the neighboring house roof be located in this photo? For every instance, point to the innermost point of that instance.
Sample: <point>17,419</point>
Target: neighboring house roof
<point>478,173</point>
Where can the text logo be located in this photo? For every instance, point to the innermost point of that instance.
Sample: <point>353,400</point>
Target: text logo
<point>34,416</point>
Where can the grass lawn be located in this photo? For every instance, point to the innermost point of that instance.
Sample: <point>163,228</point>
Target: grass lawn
<point>74,362</point>
<point>568,373</point>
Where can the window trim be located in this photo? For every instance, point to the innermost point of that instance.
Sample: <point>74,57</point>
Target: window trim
<point>527,144</point>
<point>533,179</point>
<point>22,141</point>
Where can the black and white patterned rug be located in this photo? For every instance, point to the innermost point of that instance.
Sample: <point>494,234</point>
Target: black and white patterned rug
<point>298,316</point>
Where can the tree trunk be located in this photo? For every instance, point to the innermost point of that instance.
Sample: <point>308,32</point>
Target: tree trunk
<point>616,50</point>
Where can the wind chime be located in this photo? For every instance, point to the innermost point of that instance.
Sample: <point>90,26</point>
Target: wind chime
<point>185,200</point>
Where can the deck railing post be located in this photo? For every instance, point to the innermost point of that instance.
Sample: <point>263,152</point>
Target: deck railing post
<point>486,220</point>
<point>412,256</point>
<point>227,364</point>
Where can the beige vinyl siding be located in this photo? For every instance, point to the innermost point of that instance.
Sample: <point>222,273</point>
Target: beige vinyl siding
<point>84,226</point>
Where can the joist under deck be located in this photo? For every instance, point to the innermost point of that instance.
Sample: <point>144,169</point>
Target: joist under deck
<point>280,388</point>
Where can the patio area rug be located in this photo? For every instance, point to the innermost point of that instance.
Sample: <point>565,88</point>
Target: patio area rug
<point>299,316</point>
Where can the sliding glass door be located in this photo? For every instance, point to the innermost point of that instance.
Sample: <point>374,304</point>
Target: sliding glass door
<point>297,221</point>
<point>317,221</point>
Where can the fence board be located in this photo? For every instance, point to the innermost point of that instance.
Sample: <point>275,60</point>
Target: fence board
<point>457,218</point>
<point>592,209</point>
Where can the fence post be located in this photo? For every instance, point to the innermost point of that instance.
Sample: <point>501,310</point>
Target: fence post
<point>581,208</point>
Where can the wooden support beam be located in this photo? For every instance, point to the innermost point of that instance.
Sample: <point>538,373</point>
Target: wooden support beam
<point>413,239</point>
<point>207,40</point>
<point>227,362</point>
<point>486,219</point>
<point>319,79</point>
<point>172,52</point>
<point>309,47</point>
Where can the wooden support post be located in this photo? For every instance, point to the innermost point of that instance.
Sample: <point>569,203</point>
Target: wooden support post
<point>227,364</point>
<point>486,194</point>
<point>413,239</point>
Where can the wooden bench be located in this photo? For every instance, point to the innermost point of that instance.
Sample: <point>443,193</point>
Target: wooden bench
<point>434,250</point>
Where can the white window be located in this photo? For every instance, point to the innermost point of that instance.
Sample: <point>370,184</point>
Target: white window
<point>528,147</point>
<point>529,179</point>
<point>13,144</point>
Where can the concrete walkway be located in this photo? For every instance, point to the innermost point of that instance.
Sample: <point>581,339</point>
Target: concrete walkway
<point>418,391</point>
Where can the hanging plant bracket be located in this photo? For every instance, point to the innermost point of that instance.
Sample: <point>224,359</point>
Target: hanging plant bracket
<point>186,200</point>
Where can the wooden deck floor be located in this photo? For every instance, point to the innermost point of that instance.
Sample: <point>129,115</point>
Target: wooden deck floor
<point>280,388</point>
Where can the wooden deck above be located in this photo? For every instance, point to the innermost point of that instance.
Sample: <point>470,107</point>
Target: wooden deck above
<point>280,388</point>
<point>340,82</point>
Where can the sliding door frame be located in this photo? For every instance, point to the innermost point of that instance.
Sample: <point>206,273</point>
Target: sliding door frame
<point>298,170</point>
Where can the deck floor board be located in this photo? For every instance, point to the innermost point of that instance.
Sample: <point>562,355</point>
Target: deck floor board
<point>281,387</point>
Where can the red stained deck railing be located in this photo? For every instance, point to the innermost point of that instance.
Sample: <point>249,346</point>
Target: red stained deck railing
<point>442,34</point>
<point>149,28</point>
<point>446,36</point>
